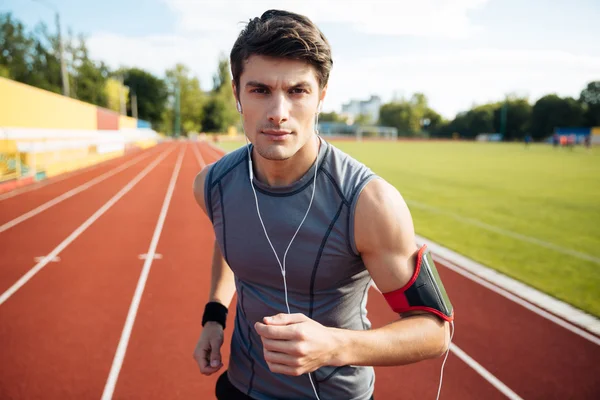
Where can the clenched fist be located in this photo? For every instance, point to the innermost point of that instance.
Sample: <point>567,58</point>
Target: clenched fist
<point>208,350</point>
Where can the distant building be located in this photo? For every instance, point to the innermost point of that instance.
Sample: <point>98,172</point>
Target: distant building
<point>370,107</point>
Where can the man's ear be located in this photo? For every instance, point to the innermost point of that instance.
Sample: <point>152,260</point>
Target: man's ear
<point>234,89</point>
<point>322,98</point>
<point>323,94</point>
<point>238,104</point>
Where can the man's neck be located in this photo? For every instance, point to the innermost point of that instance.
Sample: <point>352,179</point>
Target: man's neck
<point>277,173</point>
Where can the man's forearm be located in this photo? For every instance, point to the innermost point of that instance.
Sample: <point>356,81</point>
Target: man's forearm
<point>406,341</point>
<point>222,283</point>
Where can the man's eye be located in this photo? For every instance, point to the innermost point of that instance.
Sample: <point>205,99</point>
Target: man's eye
<point>259,90</point>
<point>299,91</point>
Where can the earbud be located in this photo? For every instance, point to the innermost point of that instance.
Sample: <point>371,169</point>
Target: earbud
<point>239,107</point>
<point>319,107</point>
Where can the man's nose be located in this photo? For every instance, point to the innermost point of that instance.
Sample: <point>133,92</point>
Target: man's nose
<point>279,110</point>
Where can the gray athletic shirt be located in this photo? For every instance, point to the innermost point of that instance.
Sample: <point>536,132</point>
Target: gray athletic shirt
<point>326,278</point>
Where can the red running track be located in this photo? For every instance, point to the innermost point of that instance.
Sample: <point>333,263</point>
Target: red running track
<point>64,332</point>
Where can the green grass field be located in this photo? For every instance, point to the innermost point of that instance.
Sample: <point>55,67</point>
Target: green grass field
<point>532,214</point>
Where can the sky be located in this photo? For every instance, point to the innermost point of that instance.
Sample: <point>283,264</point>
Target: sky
<point>459,53</point>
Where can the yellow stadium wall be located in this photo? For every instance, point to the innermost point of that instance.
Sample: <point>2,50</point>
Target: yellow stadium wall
<point>29,107</point>
<point>596,130</point>
<point>127,122</point>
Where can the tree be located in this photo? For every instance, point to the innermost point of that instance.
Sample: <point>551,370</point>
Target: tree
<point>518,118</point>
<point>331,117</point>
<point>33,59</point>
<point>590,98</point>
<point>480,120</point>
<point>397,115</point>
<point>518,123</point>
<point>432,121</point>
<point>411,117</point>
<point>27,59</point>
<point>220,111</point>
<point>191,100</point>
<point>552,111</point>
<point>151,93</point>
<point>16,48</point>
<point>222,77</point>
<point>46,61</point>
<point>114,89</point>
<point>90,83</point>
<point>363,119</point>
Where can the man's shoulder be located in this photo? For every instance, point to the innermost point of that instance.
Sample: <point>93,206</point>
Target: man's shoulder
<point>227,163</point>
<point>338,152</point>
<point>348,172</point>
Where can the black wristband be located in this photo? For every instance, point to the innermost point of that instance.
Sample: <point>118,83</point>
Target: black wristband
<point>215,311</point>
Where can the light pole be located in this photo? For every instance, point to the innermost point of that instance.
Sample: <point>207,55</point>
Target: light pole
<point>134,113</point>
<point>503,118</point>
<point>122,99</point>
<point>177,130</point>
<point>63,68</point>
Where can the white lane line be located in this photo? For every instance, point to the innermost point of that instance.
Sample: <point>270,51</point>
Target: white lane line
<point>145,256</point>
<point>517,290</point>
<point>61,177</point>
<point>38,259</point>
<point>216,150</point>
<point>520,301</point>
<point>31,273</point>
<point>109,388</point>
<point>71,193</point>
<point>506,232</point>
<point>201,161</point>
<point>487,375</point>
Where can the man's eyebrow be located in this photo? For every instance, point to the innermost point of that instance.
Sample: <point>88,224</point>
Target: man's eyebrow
<point>302,84</point>
<point>257,84</point>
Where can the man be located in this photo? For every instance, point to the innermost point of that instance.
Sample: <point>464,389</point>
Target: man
<point>302,230</point>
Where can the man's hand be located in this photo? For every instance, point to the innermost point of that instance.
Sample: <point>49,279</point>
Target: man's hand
<point>295,344</point>
<point>208,350</point>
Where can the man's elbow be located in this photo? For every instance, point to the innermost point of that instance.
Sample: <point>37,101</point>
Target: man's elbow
<point>442,340</point>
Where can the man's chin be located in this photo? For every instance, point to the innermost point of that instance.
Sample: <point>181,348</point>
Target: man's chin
<point>275,151</point>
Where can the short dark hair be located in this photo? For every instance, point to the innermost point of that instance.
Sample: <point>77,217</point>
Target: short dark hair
<point>282,34</point>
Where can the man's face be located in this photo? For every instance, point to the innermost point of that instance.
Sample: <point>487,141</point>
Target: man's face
<point>279,99</point>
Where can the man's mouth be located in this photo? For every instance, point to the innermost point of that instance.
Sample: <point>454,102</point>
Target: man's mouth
<point>276,134</point>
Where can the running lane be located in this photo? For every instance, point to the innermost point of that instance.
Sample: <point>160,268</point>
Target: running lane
<point>38,236</point>
<point>421,380</point>
<point>532,355</point>
<point>59,332</point>
<point>168,323</point>
<point>159,362</point>
<point>13,207</point>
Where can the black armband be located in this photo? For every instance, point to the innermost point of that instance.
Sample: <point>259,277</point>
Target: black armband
<point>215,311</point>
<point>425,291</point>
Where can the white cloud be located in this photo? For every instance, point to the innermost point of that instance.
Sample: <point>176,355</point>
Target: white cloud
<point>157,53</point>
<point>424,18</point>
<point>454,80</point>
<point>207,28</point>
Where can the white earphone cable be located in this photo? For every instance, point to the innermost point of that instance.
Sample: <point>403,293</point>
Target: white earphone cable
<point>445,358</point>
<point>282,265</point>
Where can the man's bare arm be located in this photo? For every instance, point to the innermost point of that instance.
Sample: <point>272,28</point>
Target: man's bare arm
<point>385,238</point>
<point>295,344</point>
<point>222,284</point>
